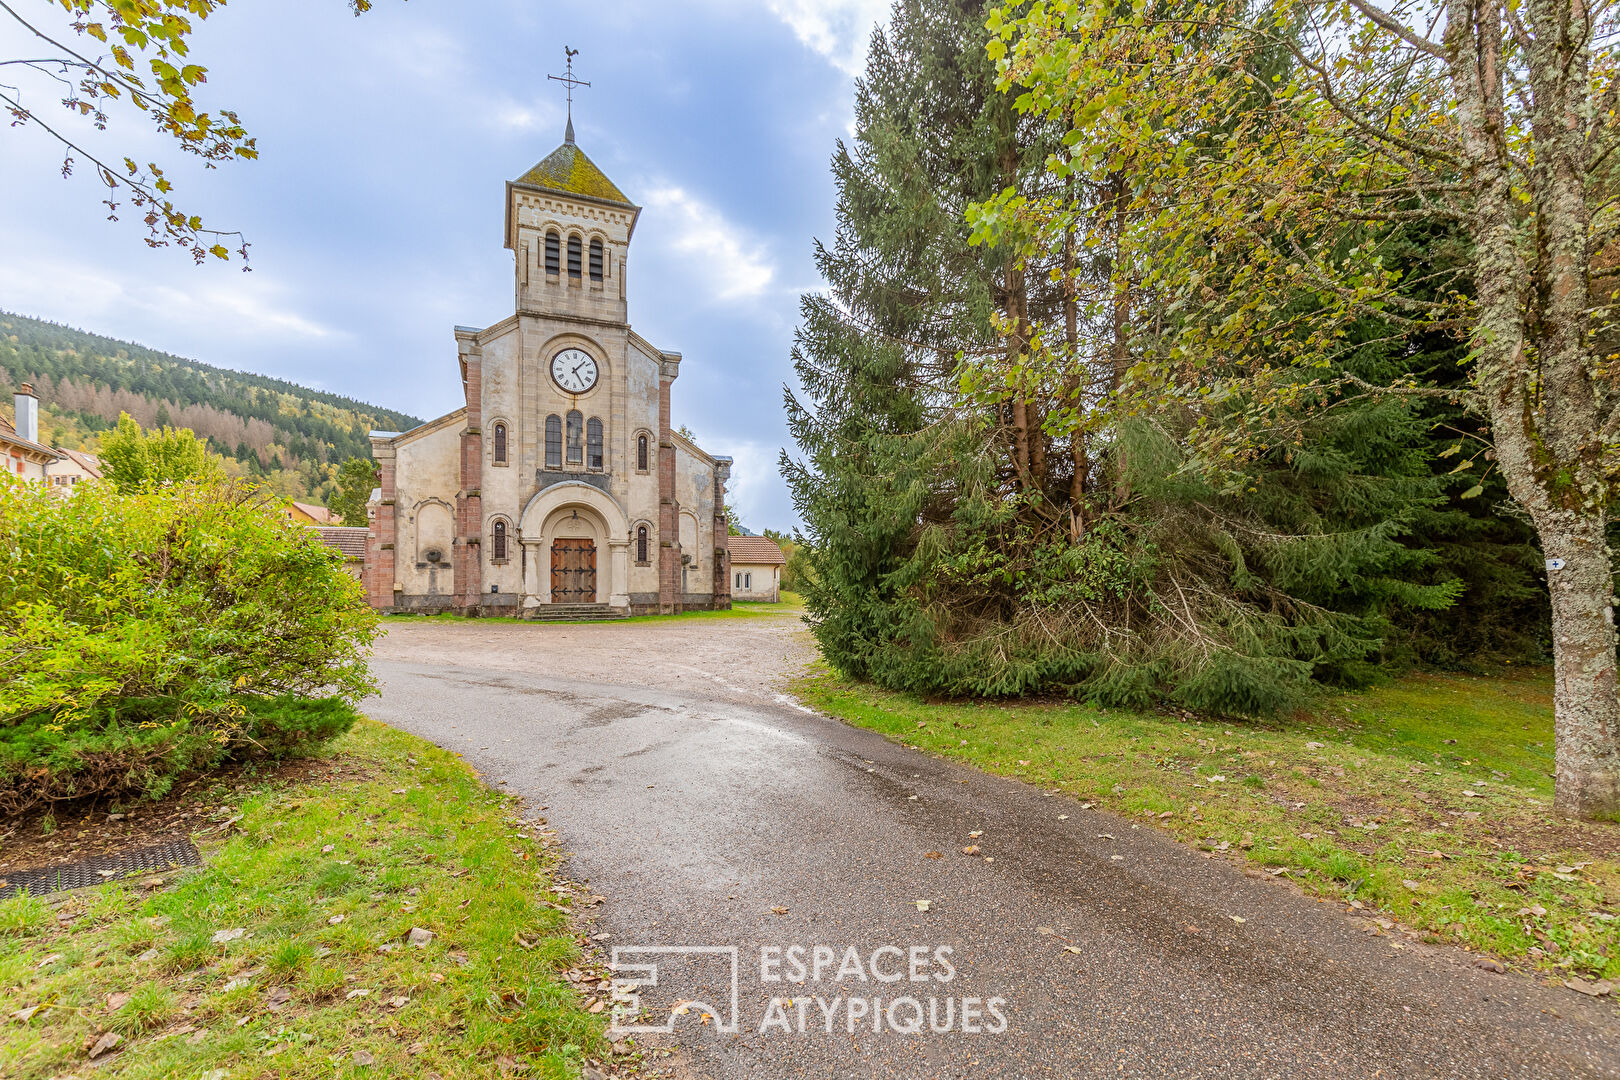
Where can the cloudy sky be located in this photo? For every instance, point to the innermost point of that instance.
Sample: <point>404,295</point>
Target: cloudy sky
<point>375,210</point>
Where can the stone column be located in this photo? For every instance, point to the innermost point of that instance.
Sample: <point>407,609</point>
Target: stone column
<point>532,552</point>
<point>722,549</point>
<point>669,534</point>
<point>380,563</point>
<point>468,548</point>
<point>619,564</point>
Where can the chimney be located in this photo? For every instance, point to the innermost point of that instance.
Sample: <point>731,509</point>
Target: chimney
<point>27,413</point>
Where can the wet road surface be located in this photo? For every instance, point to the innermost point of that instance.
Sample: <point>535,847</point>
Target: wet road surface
<point>711,814</point>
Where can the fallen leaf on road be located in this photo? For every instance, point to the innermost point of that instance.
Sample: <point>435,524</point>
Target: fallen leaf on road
<point>922,905</point>
<point>779,911</point>
<point>1486,963</point>
<point>975,834</point>
<point>932,855</point>
<point>1240,920</point>
<point>1063,817</point>
<point>1601,988</point>
<point>1105,836</point>
<point>1071,949</point>
<point>971,849</point>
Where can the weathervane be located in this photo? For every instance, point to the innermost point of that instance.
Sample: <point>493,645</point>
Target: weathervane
<point>568,80</point>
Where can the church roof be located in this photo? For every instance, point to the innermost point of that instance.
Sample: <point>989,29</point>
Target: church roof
<point>567,169</point>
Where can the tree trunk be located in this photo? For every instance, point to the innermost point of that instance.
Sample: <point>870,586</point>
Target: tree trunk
<point>1071,338</point>
<point>1533,367</point>
<point>1586,697</point>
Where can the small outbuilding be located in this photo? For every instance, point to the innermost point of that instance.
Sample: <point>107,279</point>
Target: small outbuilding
<point>756,568</point>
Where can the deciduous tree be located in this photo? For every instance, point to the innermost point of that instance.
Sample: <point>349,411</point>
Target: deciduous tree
<point>1264,199</point>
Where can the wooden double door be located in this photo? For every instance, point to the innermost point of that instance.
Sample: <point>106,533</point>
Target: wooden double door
<point>573,571</point>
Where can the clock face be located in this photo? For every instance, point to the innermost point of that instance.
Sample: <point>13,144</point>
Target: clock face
<point>574,370</point>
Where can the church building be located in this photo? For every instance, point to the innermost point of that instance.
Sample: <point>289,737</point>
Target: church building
<point>560,486</point>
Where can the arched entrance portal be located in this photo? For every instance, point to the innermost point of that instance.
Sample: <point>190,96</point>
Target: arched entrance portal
<point>576,543</point>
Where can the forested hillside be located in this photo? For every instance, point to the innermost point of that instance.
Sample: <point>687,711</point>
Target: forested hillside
<point>292,437</point>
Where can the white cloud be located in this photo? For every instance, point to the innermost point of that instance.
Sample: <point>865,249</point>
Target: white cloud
<point>82,295</point>
<point>755,487</point>
<point>740,266</point>
<point>840,30</point>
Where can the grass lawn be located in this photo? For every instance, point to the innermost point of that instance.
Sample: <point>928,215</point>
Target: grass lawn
<point>289,953</point>
<point>1430,799</point>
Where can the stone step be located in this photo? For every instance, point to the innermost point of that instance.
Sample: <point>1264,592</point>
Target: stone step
<point>573,613</point>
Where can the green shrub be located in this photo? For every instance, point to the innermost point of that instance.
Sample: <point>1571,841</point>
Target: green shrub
<point>150,634</point>
<point>139,746</point>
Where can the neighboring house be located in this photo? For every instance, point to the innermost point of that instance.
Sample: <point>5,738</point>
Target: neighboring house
<point>304,513</point>
<point>349,541</point>
<point>20,450</point>
<point>560,478</point>
<point>756,568</point>
<point>72,467</point>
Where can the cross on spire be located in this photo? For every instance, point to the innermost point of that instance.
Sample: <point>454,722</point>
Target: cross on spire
<point>568,80</point>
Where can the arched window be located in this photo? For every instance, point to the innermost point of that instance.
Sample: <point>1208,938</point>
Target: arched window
<point>553,253</point>
<point>641,453</point>
<point>596,260</point>
<point>641,544</point>
<point>593,443</point>
<point>498,547</point>
<point>576,437</point>
<point>573,256</point>
<point>500,444</point>
<point>553,441</point>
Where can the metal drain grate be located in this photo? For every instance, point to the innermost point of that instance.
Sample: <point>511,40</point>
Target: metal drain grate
<point>102,868</point>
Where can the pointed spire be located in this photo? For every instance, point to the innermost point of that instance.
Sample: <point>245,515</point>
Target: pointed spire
<point>568,80</point>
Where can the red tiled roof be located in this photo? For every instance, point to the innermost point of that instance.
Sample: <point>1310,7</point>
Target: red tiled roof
<point>319,513</point>
<point>8,434</point>
<point>349,539</point>
<point>755,551</point>
<point>88,462</point>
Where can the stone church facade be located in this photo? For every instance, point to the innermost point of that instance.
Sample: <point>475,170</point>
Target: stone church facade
<point>561,480</point>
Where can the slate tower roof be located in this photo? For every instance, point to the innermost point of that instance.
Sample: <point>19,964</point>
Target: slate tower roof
<point>568,170</point>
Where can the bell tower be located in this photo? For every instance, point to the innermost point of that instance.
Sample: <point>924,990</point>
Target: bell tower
<point>569,228</point>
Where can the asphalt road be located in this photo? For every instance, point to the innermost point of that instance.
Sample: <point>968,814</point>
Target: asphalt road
<point>711,816</point>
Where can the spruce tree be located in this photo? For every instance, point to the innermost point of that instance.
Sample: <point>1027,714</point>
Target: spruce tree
<point>882,442</point>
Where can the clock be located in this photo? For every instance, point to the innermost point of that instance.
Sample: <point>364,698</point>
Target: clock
<point>574,370</point>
